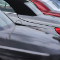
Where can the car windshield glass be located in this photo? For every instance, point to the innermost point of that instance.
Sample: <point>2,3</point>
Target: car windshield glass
<point>4,20</point>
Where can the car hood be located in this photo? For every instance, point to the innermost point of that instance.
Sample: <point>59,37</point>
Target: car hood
<point>34,40</point>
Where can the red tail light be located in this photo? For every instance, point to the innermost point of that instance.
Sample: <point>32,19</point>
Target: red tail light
<point>57,30</point>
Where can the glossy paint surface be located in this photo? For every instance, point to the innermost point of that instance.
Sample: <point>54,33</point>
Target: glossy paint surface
<point>28,40</point>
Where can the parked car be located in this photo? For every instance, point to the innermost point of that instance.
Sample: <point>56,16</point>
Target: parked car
<point>23,41</point>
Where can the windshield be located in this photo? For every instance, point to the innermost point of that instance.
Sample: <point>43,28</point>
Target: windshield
<point>4,21</point>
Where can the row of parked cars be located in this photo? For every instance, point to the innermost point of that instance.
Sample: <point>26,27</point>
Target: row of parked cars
<point>32,32</point>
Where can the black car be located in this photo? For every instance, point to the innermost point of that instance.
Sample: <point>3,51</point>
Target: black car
<point>21,41</point>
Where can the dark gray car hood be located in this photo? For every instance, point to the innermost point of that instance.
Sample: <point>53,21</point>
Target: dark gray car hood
<point>33,40</point>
